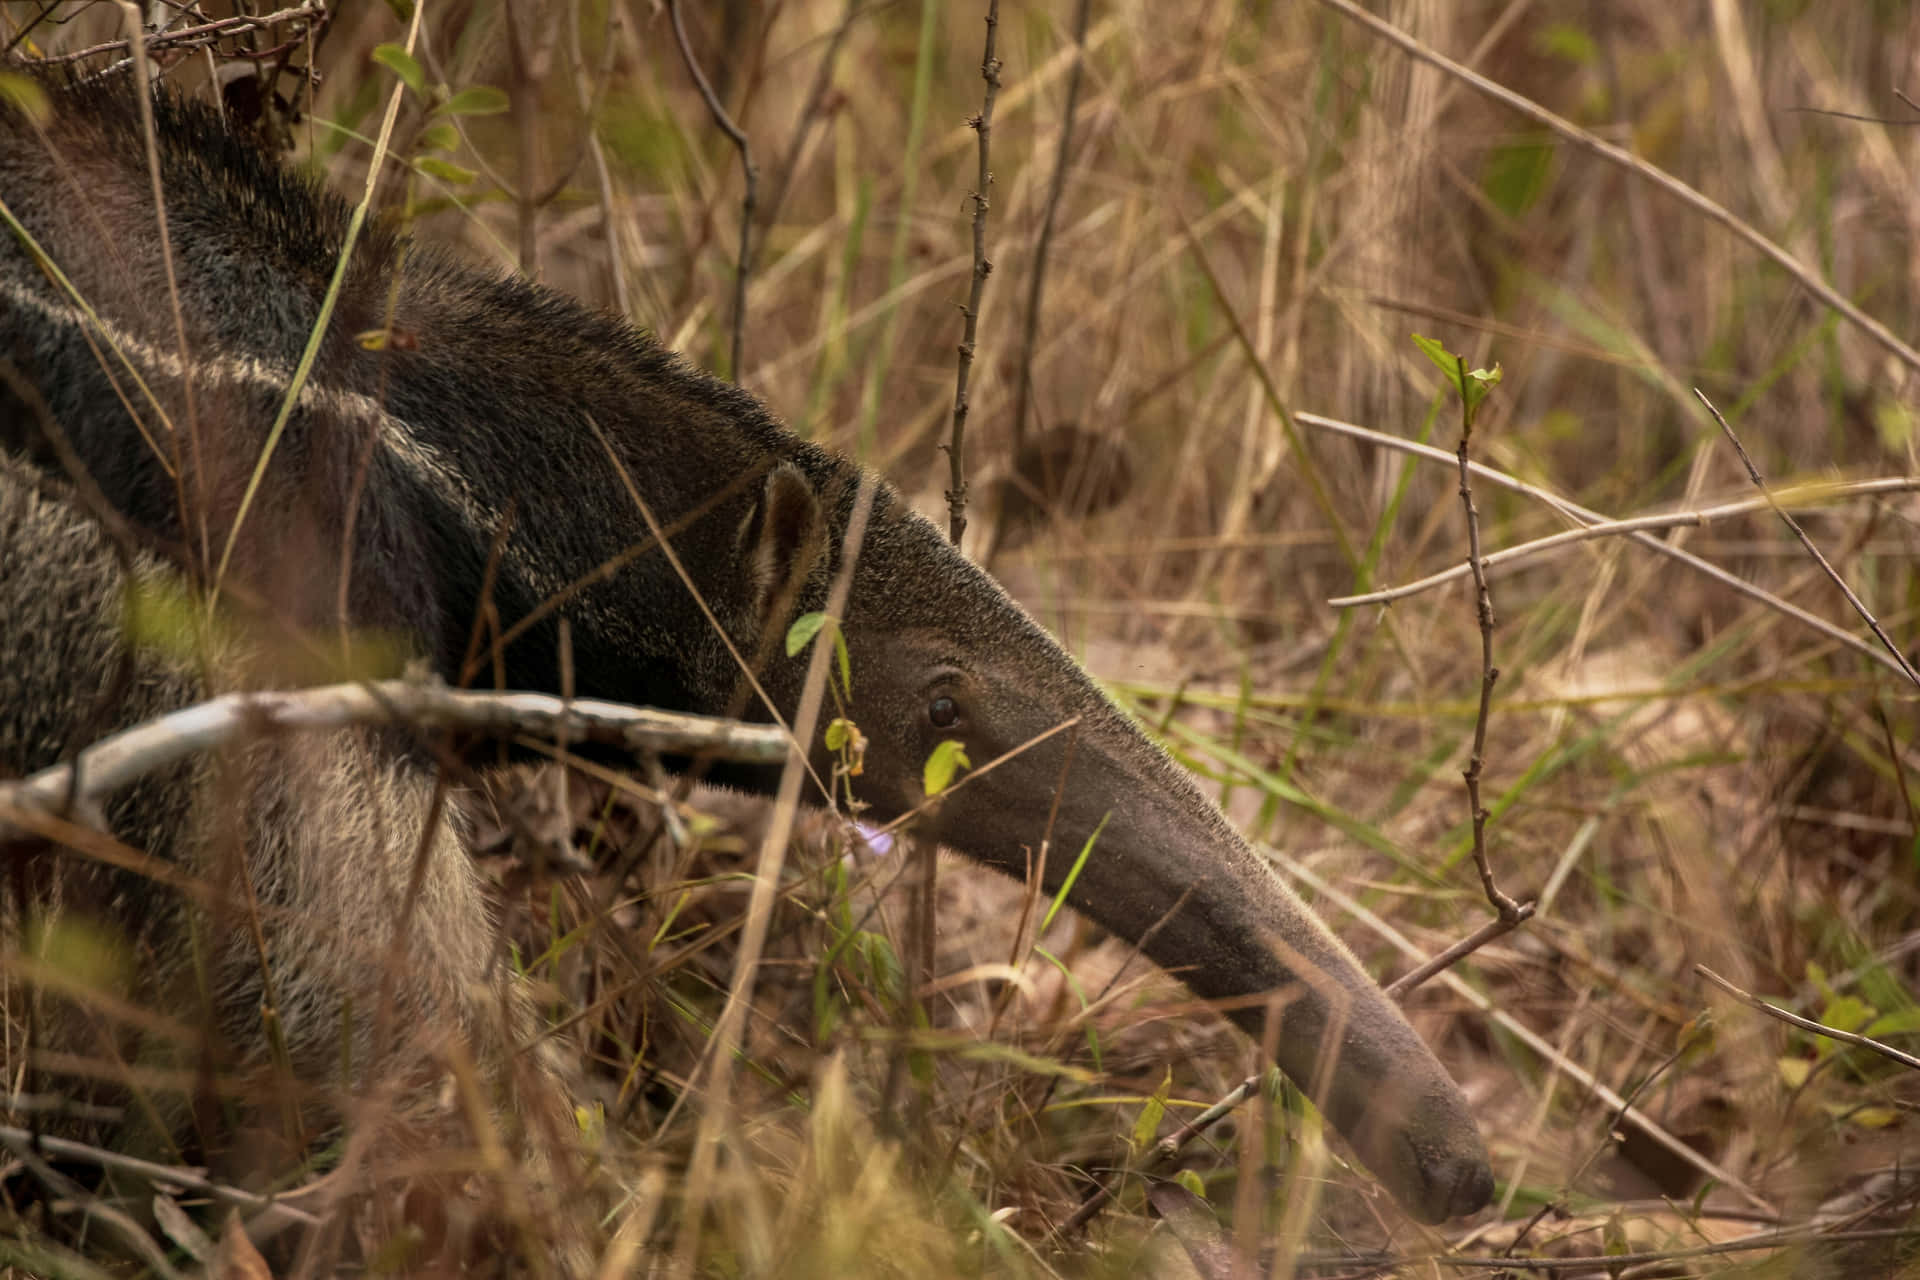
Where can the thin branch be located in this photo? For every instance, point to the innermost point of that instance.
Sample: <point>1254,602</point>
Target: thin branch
<point>982,125</point>
<point>207,33</point>
<point>124,758</point>
<point>1811,495</point>
<point>1859,607</point>
<point>1807,1024</point>
<point>1586,516</point>
<point>750,175</point>
<point>1037,272</point>
<point>1495,928</point>
<point>1809,279</point>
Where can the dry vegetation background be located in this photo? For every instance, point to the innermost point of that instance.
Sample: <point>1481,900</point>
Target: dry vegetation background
<point>1262,203</point>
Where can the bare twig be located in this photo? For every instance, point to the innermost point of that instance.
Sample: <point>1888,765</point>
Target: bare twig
<point>957,442</point>
<point>1494,928</point>
<point>1809,279</point>
<point>206,33</point>
<point>1512,914</point>
<point>1587,516</point>
<point>125,757</point>
<point>751,183</point>
<point>1037,271</point>
<point>1859,607</point>
<point>1807,1024</point>
<point>1818,493</point>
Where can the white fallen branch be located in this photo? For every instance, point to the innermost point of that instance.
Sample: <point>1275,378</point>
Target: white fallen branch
<point>126,757</point>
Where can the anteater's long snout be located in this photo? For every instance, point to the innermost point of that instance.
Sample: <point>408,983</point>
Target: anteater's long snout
<point>1170,871</point>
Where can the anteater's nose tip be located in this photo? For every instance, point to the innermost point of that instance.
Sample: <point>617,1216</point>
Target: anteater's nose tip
<point>1471,1189</point>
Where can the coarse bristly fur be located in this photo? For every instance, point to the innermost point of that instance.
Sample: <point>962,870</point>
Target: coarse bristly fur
<point>501,441</point>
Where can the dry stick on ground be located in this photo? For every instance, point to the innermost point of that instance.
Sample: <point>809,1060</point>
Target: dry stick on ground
<point>1587,516</point>
<point>1806,1024</point>
<point>957,443</point>
<point>1859,607</point>
<point>1818,493</point>
<point>751,182</point>
<point>1809,279</point>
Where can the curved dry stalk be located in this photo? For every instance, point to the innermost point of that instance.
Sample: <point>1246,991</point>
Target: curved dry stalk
<point>1859,605</point>
<point>1586,516</point>
<point>1807,1024</point>
<point>1816,494</point>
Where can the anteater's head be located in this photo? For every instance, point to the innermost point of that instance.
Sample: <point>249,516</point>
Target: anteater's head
<point>940,653</point>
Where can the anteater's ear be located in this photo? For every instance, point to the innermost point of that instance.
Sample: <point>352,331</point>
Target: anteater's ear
<point>782,540</point>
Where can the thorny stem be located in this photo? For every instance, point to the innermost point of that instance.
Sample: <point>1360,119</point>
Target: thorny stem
<point>751,182</point>
<point>1511,912</point>
<point>956,444</point>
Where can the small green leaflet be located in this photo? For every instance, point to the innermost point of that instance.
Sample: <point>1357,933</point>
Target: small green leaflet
<point>475,100</point>
<point>801,634</point>
<point>947,759</point>
<point>1148,1122</point>
<point>401,63</point>
<point>1479,383</point>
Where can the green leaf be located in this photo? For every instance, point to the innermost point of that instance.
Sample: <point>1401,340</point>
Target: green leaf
<point>836,734</point>
<point>1898,1023</point>
<point>801,633</point>
<point>1848,1013</point>
<point>27,94</point>
<point>1516,174</point>
<point>846,663</point>
<point>1564,40</point>
<point>1148,1122</point>
<point>445,170</point>
<point>947,759</point>
<point>401,63</point>
<point>1073,873</point>
<point>476,100</point>
<point>1191,1181</point>
<point>439,137</point>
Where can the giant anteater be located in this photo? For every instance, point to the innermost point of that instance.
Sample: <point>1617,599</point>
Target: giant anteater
<point>505,441</point>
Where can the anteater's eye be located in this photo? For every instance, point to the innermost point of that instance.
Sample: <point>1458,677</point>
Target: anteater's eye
<point>944,712</point>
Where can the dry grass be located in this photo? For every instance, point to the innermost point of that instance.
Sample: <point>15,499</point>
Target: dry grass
<point>1264,202</point>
